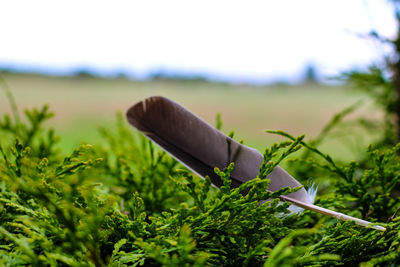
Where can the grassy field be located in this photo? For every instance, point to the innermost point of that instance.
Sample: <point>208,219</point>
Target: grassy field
<point>83,104</point>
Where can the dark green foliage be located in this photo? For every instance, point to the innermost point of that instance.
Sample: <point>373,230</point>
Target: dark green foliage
<point>128,203</point>
<point>125,203</point>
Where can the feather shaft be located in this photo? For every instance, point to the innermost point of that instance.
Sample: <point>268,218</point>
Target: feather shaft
<point>331,213</point>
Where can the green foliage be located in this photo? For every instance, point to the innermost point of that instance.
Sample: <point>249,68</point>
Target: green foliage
<point>127,203</point>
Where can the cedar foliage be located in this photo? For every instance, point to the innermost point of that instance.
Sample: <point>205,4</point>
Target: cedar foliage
<point>126,203</point>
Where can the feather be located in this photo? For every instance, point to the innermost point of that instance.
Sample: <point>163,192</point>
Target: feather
<point>201,148</point>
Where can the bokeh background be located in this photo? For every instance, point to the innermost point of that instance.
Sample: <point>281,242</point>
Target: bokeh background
<point>260,64</point>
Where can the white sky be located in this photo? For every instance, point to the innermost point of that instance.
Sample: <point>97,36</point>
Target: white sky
<point>240,40</point>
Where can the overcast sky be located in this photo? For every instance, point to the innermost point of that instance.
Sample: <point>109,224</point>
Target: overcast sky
<point>238,40</point>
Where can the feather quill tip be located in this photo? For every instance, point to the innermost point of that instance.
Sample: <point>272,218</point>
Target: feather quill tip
<point>312,193</point>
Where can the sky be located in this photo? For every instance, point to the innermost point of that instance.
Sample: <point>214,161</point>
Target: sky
<point>237,41</point>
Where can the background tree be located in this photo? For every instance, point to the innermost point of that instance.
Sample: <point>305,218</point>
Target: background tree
<point>382,82</point>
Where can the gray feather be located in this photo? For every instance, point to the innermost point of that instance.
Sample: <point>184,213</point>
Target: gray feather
<point>201,147</point>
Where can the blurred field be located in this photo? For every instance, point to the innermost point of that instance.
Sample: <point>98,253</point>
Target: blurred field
<point>83,104</point>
